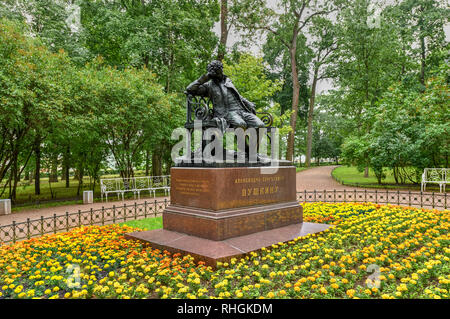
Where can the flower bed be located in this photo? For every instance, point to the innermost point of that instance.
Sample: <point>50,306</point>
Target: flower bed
<point>373,251</point>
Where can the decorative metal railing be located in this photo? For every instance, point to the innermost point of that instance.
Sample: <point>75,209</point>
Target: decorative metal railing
<point>46,225</point>
<point>402,198</point>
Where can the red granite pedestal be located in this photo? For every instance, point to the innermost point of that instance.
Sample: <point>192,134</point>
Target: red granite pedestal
<point>220,213</point>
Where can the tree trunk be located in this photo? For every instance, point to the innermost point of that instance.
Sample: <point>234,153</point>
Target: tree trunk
<point>223,30</point>
<point>63,171</point>
<point>310,117</point>
<point>147,162</point>
<point>15,176</point>
<point>295,100</point>
<point>156,164</point>
<point>80,180</point>
<point>76,175</point>
<point>366,171</point>
<point>37,170</point>
<point>67,173</point>
<point>54,169</point>
<point>395,172</point>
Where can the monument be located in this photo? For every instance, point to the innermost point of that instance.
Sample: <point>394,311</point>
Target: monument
<point>240,201</point>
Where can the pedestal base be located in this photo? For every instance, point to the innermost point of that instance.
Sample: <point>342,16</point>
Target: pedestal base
<point>210,251</point>
<point>220,213</point>
<point>224,224</point>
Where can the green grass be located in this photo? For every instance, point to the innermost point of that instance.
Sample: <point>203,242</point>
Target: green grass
<point>349,175</point>
<point>25,197</point>
<point>146,224</point>
<point>46,204</point>
<point>25,190</point>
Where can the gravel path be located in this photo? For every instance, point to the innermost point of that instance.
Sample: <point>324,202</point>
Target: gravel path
<point>318,178</point>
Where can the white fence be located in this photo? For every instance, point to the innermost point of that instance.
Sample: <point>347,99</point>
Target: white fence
<point>439,176</point>
<point>136,185</point>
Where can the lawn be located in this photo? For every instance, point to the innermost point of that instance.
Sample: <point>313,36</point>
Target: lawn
<point>374,251</point>
<point>145,224</point>
<point>61,194</point>
<point>25,190</point>
<point>349,175</point>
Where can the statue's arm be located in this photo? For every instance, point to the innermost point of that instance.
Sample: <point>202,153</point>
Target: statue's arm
<point>198,87</point>
<point>250,105</point>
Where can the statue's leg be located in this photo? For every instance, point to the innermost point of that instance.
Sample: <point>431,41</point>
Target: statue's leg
<point>254,121</point>
<point>235,120</point>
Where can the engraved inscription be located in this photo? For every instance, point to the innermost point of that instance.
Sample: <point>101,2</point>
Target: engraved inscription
<point>191,187</point>
<point>267,185</point>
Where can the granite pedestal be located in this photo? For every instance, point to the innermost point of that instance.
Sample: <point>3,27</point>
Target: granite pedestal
<point>220,213</point>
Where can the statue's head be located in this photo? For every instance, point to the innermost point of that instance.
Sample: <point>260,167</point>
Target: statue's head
<point>215,69</point>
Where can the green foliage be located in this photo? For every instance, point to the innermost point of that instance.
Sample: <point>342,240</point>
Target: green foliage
<point>410,129</point>
<point>126,109</point>
<point>33,95</point>
<point>49,107</point>
<point>249,75</point>
<point>161,35</point>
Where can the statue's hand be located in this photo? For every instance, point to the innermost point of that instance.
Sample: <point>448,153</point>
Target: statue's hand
<point>204,78</point>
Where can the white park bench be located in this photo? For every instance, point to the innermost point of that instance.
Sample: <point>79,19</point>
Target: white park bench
<point>136,185</point>
<point>439,176</point>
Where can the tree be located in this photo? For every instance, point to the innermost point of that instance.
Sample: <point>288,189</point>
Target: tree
<point>366,63</point>
<point>250,78</point>
<point>422,23</point>
<point>286,27</point>
<point>33,94</point>
<point>56,23</point>
<point>323,45</point>
<point>224,30</point>
<point>173,39</point>
<point>128,107</point>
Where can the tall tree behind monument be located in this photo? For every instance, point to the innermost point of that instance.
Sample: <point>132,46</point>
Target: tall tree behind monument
<point>286,26</point>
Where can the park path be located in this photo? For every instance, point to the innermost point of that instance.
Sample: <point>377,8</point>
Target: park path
<point>318,178</point>
<point>36,213</point>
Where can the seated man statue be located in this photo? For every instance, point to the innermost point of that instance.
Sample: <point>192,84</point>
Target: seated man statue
<point>230,109</point>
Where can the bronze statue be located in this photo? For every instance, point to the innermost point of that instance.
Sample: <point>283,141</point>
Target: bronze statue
<point>229,107</point>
